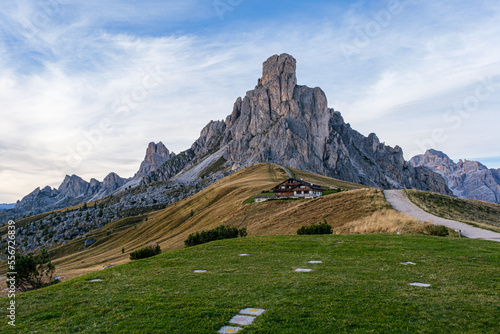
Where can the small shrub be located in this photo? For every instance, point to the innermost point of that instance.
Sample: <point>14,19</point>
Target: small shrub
<point>242,232</point>
<point>322,228</point>
<point>218,233</point>
<point>33,273</point>
<point>150,250</point>
<point>437,230</point>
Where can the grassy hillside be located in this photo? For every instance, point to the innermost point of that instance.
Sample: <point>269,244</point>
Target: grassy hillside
<point>360,287</point>
<point>477,213</point>
<point>324,180</point>
<point>355,211</point>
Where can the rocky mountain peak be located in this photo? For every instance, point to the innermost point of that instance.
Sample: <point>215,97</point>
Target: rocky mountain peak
<point>156,150</point>
<point>436,153</point>
<point>156,155</point>
<point>73,186</point>
<point>467,179</point>
<point>471,166</point>
<point>279,75</point>
<point>282,122</point>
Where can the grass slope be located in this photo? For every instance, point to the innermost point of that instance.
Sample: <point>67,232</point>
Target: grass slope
<point>359,288</point>
<point>480,214</point>
<point>355,211</point>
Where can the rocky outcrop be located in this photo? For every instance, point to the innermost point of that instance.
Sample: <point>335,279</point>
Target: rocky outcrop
<point>38,200</point>
<point>89,242</point>
<point>112,182</point>
<point>156,155</point>
<point>72,191</point>
<point>279,121</point>
<point>210,138</point>
<point>467,179</point>
<point>170,168</point>
<point>74,186</point>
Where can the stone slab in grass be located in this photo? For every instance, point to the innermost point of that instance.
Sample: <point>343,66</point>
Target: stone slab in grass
<point>199,271</point>
<point>425,285</point>
<point>407,263</point>
<point>314,262</point>
<point>243,320</point>
<point>303,270</point>
<point>243,254</point>
<point>96,280</point>
<point>229,329</point>
<point>252,311</point>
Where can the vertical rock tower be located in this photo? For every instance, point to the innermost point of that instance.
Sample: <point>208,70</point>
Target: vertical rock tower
<point>280,121</point>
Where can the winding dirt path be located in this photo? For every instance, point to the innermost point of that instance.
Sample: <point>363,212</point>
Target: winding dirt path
<point>401,203</point>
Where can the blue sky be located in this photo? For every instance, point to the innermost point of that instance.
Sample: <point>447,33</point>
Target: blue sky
<point>86,85</point>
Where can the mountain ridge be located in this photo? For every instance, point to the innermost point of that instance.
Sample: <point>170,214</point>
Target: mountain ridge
<point>279,122</point>
<point>466,178</point>
<point>289,124</point>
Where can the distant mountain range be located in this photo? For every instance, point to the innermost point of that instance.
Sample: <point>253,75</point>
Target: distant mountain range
<point>5,206</point>
<point>467,179</point>
<point>278,121</point>
<point>74,190</point>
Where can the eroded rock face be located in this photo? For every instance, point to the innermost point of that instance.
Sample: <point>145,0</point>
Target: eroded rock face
<point>73,186</point>
<point>282,122</point>
<point>156,155</point>
<point>72,191</point>
<point>467,179</point>
<point>110,183</point>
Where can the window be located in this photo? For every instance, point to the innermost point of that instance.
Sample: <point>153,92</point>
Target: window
<point>282,187</point>
<point>302,187</point>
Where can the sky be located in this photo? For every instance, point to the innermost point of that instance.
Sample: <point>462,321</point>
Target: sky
<point>86,85</point>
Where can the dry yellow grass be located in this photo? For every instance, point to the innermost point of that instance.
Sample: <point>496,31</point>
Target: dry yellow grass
<point>324,180</point>
<point>477,213</point>
<point>356,211</point>
<point>383,221</point>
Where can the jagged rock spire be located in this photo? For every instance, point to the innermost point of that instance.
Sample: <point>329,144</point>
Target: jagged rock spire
<point>279,76</point>
<point>156,155</point>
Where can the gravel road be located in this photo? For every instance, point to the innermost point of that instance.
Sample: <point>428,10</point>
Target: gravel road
<point>401,203</point>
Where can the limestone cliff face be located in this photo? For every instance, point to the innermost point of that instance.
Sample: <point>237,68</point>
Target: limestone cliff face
<point>74,186</point>
<point>280,121</point>
<point>467,179</point>
<point>156,155</point>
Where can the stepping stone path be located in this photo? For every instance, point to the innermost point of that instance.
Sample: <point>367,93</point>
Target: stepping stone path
<point>229,329</point>
<point>252,311</point>
<point>199,271</point>
<point>96,280</point>
<point>305,270</point>
<point>245,318</point>
<point>425,285</point>
<point>243,254</point>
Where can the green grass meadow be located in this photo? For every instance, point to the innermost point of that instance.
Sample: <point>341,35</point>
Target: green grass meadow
<point>360,287</point>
